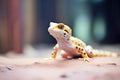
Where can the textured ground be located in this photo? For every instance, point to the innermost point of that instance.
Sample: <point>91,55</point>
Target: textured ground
<point>100,68</point>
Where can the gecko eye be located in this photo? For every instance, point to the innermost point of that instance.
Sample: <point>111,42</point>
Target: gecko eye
<point>60,26</point>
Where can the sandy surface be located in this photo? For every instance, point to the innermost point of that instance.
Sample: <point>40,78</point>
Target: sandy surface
<point>100,68</point>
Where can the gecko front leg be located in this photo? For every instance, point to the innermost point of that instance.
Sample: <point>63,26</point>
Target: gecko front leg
<point>54,52</point>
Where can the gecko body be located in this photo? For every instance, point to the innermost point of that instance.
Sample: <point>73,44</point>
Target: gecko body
<point>71,46</point>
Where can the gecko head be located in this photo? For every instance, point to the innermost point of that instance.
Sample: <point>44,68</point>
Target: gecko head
<point>59,30</point>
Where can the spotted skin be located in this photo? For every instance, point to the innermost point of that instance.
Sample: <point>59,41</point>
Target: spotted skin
<point>54,52</point>
<point>72,46</point>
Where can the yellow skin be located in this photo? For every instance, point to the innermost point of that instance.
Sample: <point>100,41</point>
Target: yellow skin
<point>70,45</point>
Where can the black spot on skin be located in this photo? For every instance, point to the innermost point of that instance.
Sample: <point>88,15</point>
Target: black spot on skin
<point>84,53</point>
<point>79,48</point>
<point>52,53</point>
<point>76,47</point>
<point>82,49</point>
<point>78,44</point>
<point>64,33</point>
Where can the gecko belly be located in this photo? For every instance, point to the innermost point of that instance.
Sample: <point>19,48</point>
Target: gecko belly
<point>69,55</point>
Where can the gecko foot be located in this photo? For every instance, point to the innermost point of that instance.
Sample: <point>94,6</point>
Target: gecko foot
<point>87,59</point>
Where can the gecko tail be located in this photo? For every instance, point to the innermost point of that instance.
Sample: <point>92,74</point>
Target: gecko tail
<point>101,53</point>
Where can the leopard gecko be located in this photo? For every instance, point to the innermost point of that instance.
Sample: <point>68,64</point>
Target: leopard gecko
<point>71,46</point>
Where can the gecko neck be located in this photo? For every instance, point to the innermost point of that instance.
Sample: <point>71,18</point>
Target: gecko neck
<point>63,42</point>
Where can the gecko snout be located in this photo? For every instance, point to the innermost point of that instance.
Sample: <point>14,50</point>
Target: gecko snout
<point>52,24</point>
<point>49,29</point>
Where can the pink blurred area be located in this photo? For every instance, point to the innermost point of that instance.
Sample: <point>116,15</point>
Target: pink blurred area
<point>10,27</point>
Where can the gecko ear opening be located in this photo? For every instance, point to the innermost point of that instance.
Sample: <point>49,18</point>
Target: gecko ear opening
<point>68,29</point>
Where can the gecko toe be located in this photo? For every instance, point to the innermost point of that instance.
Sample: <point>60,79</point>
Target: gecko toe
<point>87,59</point>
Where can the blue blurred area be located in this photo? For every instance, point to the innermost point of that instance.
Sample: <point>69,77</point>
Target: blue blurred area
<point>45,13</point>
<point>26,21</point>
<point>91,20</point>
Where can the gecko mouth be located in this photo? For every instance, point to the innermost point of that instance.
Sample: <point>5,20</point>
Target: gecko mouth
<point>53,33</point>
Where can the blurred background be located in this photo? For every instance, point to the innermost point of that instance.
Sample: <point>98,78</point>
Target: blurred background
<point>24,24</point>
